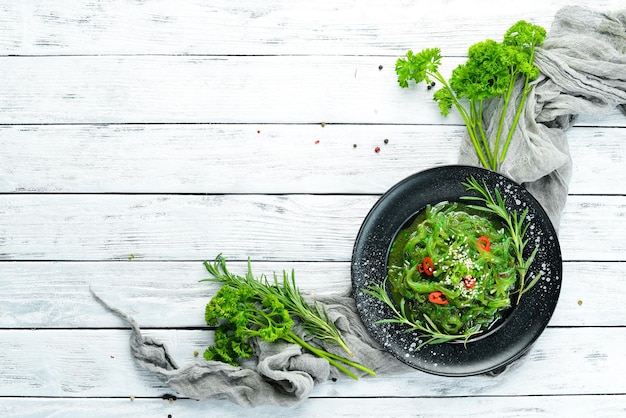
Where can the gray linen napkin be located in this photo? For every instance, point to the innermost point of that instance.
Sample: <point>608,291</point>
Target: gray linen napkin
<point>583,65</point>
<point>283,375</point>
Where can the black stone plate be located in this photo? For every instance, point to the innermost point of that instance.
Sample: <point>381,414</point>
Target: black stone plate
<point>517,332</point>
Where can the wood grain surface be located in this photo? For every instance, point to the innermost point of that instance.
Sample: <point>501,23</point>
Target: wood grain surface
<point>138,139</point>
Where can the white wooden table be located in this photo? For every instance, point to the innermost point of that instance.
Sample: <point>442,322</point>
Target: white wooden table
<point>139,138</point>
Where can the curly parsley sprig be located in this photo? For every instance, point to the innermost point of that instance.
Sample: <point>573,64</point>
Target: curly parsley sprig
<point>491,71</point>
<point>246,307</point>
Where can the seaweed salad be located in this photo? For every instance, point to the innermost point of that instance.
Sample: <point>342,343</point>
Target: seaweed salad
<point>456,268</point>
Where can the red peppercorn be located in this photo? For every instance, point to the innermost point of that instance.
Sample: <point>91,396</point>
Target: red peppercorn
<point>377,149</point>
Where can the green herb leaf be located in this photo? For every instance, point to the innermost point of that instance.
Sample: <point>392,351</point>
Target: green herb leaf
<point>245,308</point>
<point>491,71</point>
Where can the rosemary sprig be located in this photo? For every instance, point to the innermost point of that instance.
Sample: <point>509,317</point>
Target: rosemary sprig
<point>428,328</point>
<point>515,224</point>
<point>315,320</point>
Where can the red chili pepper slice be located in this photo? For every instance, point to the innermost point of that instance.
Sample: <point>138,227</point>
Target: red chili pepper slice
<point>437,298</point>
<point>428,266</point>
<point>469,282</point>
<point>483,242</point>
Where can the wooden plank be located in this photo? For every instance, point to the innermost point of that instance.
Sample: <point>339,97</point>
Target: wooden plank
<point>97,363</point>
<point>99,227</point>
<point>260,158</point>
<point>219,158</point>
<point>597,158</point>
<point>56,295</point>
<point>580,305</point>
<point>585,217</point>
<point>263,227</point>
<point>600,406</point>
<point>217,89</point>
<point>200,89</point>
<point>297,27</point>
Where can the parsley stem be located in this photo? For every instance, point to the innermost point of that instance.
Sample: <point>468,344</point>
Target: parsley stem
<point>478,117</point>
<point>506,99</point>
<point>469,121</point>
<point>333,359</point>
<point>520,108</point>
